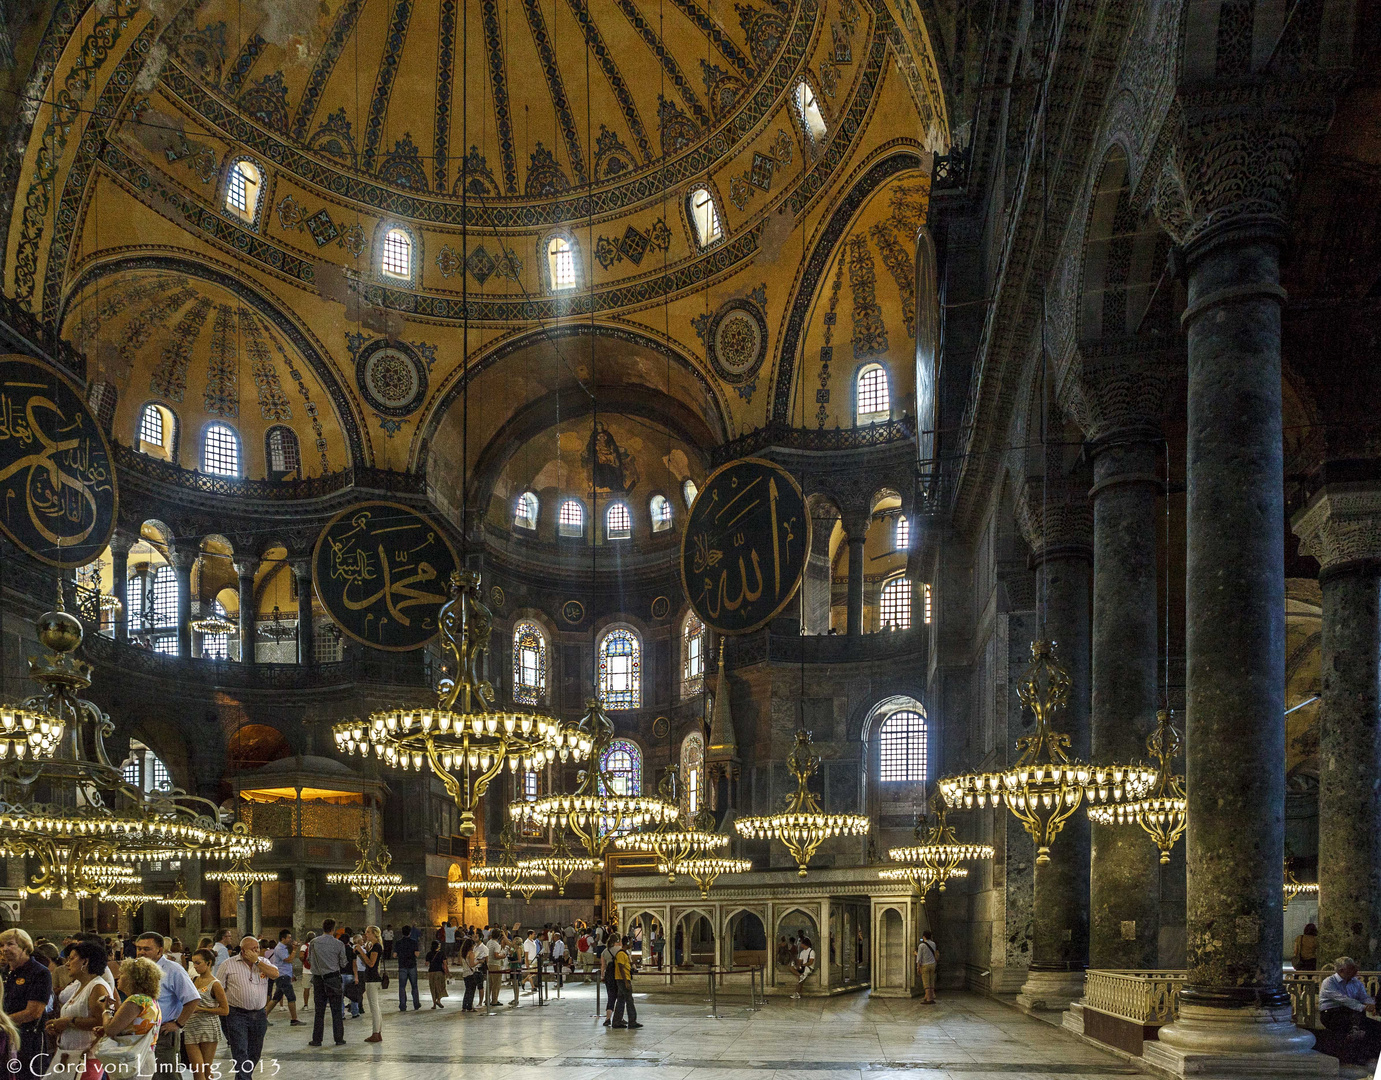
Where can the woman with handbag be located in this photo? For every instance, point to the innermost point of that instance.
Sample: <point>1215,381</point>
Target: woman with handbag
<point>438,971</point>
<point>370,953</point>
<point>80,1014</point>
<point>203,1031</point>
<point>469,971</point>
<point>125,1037</point>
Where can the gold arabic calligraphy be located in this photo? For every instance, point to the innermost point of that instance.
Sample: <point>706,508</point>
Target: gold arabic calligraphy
<point>377,568</point>
<point>717,527</point>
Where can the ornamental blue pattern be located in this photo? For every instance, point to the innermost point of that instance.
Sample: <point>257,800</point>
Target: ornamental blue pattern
<point>620,670</point>
<point>529,664</point>
<point>622,767</point>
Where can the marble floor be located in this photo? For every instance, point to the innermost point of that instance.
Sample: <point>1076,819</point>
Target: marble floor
<point>853,1037</point>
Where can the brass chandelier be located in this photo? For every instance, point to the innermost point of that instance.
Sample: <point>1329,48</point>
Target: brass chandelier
<point>675,845</point>
<point>242,875</point>
<point>939,852</point>
<point>100,820</point>
<point>1046,786</point>
<point>131,899</point>
<point>802,824</point>
<point>922,878</point>
<point>180,901</point>
<point>1294,887</point>
<point>508,875</point>
<point>705,870</point>
<point>1163,812</point>
<point>371,876</point>
<point>560,865</point>
<point>464,740</point>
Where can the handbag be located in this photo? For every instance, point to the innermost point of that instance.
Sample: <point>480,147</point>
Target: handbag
<point>354,990</point>
<point>383,979</point>
<point>121,1060</point>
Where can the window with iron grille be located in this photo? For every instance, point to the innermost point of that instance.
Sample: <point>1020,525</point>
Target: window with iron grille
<point>570,520</point>
<point>619,522</point>
<point>151,426</point>
<point>901,539</point>
<point>894,606</point>
<point>874,400</point>
<point>660,509</point>
<point>284,455</point>
<point>705,216</point>
<point>525,511</point>
<point>220,451</point>
<point>561,263</point>
<point>242,190</point>
<point>397,261</point>
<point>902,748</point>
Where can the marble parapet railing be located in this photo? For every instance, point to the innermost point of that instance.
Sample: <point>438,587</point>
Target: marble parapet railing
<point>1151,998</point>
<point>824,648</point>
<point>867,436</point>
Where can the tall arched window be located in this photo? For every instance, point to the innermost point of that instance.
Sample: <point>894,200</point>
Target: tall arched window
<point>902,748</point>
<point>220,451</point>
<point>570,519</point>
<point>397,256</point>
<point>620,670</point>
<point>618,522</point>
<point>216,646</point>
<point>692,774</point>
<point>704,216</point>
<point>151,426</point>
<point>874,399</point>
<point>901,537</point>
<point>157,426</point>
<point>812,119</point>
<point>622,766</point>
<point>242,188</point>
<point>282,451</point>
<point>688,492</point>
<point>144,769</point>
<point>894,605</point>
<point>153,600</point>
<point>525,511</point>
<point>561,263</point>
<point>660,509</point>
<point>692,655</point>
<point>529,664</point>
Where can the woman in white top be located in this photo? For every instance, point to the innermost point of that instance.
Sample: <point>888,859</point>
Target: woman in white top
<point>86,999</point>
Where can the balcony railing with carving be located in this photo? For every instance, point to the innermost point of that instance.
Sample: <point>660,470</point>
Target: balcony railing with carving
<point>794,438</point>
<point>308,818</point>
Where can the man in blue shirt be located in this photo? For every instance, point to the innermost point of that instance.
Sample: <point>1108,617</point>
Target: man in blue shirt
<point>405,950</point>
<point>282,957</point>
<point>177,1001</point>
<point>1344,1005</point>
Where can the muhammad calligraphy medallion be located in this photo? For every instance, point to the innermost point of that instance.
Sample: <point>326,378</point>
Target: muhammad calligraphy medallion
<point>744,548</point>
<point>57,483</point>
<point>382,572</point>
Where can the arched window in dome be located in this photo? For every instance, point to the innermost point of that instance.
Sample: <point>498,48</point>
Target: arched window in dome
<point>902,748</point>
<point>901,534</point>
<point>808,109</point>
<point>529,664</point>
<point>622,768</point>
<point>220,451</point>
<point>243,184</point>
<point>894,605</point>
<point>620,670</point>
<point>618,522</point>
<point>660,509</point>
<point>282,452</point>
<point>561,263</point>
<point>692,774</point>
<point>874,397</point>
<point>570,519</point>
<point>692,655</point>
<point>688,492</point>
<point>397,256</point>
<point>157,428</point>
<point>525,511</point>
<point>704,215</point>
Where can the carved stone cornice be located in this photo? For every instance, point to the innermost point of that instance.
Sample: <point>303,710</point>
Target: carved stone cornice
<point>1117,393</point>
<point>1341,525</point>
<point>1233,152</point>
<point>1055,519</point>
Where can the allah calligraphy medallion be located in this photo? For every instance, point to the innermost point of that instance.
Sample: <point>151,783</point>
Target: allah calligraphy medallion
<point>57,484</point>
<point>382,572</point>
<point>744,548</point>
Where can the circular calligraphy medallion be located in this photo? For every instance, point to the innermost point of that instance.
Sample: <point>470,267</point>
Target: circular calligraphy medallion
<point>392,377</point>
<point>573,611</point>
<point>382,571</point>
<point>744,548</point>
<point>738,341</point>
<point>58,497</point>
<point>661,727</point>
<point>660,607</point>
<point>496,596</point>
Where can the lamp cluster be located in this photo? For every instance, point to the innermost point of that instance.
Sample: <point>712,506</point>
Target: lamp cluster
<point>28,734</point>
<point>703,871</point>
<point>1163,813</point>
<point>241,875</point>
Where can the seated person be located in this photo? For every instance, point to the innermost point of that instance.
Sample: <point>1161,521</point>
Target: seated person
<point>1343,1008</point>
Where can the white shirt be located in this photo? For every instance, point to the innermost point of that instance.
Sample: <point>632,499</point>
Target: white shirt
<point>558,950</point>
<point>480,954</point>
<point>497,953</point>
<point>450,935</point>
<point>1336,994</point>
<point>388,935</point>
<point>806,958</point>
<point>925,953</point>
<point>222,954</point>
<point>530,950</point>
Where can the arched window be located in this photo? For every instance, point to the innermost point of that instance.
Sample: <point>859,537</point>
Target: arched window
<point>925,604</point>
<point>561,263</point>
<point>242,187</point>
<point>902,748</point>
<point>692,778</point>
<point>620,670</point>
<point>570,519</point>
<point>688,492</point>
<point>157,427</point>
<point>529,664</point>
<point>874,400</point>
<point>220,451</point>
<point>692,655</point>
<point>281,450</point>
<point>618,522</point>
<point>216,646</point>
<point>151,426</point>
<point>525,511</point>
<point>660,509</point>
<point>901,536</point>
<point>622,766</point>
<point>397,257</point>
<point>164,607</point>
<point>144,769</point>
<point>812,119</point>
<point>894,606</point>
<point>704,216</point>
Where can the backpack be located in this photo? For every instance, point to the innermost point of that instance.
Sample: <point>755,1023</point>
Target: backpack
<point>583,943</point>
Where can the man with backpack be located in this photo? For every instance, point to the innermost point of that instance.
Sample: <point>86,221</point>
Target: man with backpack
<point>623,979</point>
<point>927,956</point>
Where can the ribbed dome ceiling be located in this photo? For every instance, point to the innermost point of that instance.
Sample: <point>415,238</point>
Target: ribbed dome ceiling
<point>376,87</point>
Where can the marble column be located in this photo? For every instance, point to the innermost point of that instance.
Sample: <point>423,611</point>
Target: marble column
<point>196,889</point>
<point>856,532</point>
<point>306,642</point>
<point>1056,521</point>
<point>120,543</point>
<point>299,904</point>
<point>245,568</point>
<point>184,558</point>
<point>1117,402</point>
<point>1341,527</point>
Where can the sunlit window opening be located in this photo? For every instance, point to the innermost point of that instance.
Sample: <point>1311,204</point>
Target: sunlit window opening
<point>809,111</point>
<point>525,511</point>
<point>620,670</point>
<point>220,451</point>
<point>561,263</point>
<point>660,509</point>
<point>242,189</point>
<point>901,748</point>
<point>397,261</point>
<point>894,606</point>
<point>874,399</point>
<point>705,216</point>
<point>570,519</point>
<point>619,522</point>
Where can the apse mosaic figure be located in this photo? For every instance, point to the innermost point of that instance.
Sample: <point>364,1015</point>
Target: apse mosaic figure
<point>57,485</point>
<point>745,544</point>
<point>381,571</point>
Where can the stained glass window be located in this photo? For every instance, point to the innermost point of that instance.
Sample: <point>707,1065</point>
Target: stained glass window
<point>894,606</point>
<point>622,765</point>
<point>692,767</point>
<point>874,399</point>
<point>529,664</point>
<point>620,670</point>
<point>901,747</point>
<point>693,652</point>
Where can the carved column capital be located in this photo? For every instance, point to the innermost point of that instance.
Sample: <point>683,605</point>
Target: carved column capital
<point>121,540</point>
<point>1055,519</point>
<point>856,524</point>
<point>1117,393</point>
<point>183,554</point>
<point>245,565</point>
<point>1341,525</point>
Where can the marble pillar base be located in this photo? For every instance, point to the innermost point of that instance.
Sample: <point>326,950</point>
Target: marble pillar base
<point>1206,1041</point>
<point>1073,1019</point>
<point>1051,991</point>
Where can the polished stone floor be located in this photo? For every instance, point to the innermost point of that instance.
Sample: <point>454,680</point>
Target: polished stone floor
<point>853,1037</point>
